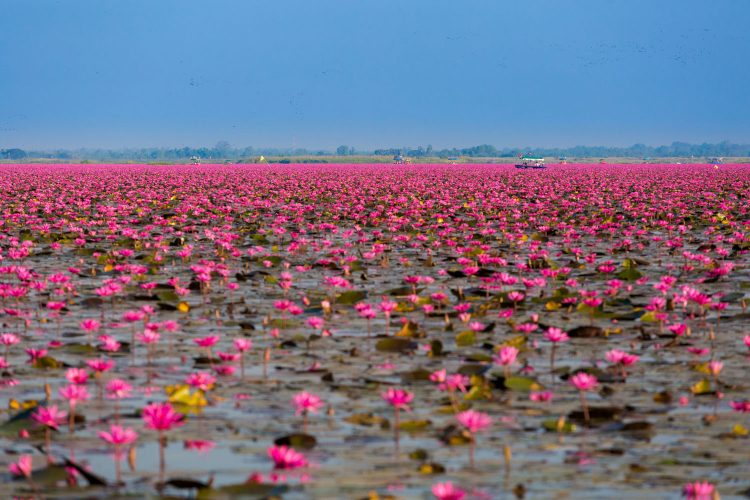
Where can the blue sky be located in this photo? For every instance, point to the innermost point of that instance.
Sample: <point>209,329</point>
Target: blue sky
<point>371,73</point>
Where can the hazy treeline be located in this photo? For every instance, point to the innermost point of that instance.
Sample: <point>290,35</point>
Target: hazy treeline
<point>223,150</point>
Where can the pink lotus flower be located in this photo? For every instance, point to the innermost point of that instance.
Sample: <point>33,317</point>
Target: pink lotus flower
<point>201,380</point>
<point>699,490</point>
<point>200,446</point>
<point>35,354</point>
<point>438,376</point>
<point>9,339</point>
<point>740,406</point>
<point>100,365</point>
<point>474,421</point>
<point>90,325</point>
<point>446,491</point>
<point>621,358</point>
<point>714,367</point>
<point>132,316</point>
<point>506,356</point>
<point>208,341</point>
<point>556,335</point>
<point>118,389</point>
<point>678,329</point>
<point>398,398</point>
<point>74,394</point>
<point>543,396</point>
<point>306,402</point>
<point>583,381</point>
<point>387,306</point>
<point>109,344</point>
<point>286,457</point>
<point>315,322</point>
<point>77,376</point>
<point>118,435</point>
<point>49,417</point>
<point>149,336</point>
<point>21,468</point>
<point>161,417</point>
<point>242,345</point>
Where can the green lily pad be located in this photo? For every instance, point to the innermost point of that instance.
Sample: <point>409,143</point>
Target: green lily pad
<point>522,384</point>
<point>466,338</point>
<point>414,425</point>
<point>350,297</point>
<point>395,344</point>
<point>298,441</point>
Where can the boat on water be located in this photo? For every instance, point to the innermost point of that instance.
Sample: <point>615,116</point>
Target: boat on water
<point>529,162</point>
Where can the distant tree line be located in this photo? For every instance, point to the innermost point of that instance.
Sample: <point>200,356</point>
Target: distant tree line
<point>225,151</point>
<point>676,149</point>
<point>12,154</point>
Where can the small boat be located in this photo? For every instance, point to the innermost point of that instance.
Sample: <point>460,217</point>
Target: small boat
<point>528,162</point>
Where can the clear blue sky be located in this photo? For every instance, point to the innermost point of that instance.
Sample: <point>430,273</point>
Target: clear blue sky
<point>370,73</point>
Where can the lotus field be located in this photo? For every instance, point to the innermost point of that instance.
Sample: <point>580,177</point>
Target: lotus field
<point>376,331</point>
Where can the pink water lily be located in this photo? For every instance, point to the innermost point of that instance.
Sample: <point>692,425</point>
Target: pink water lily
<point>285,457</point>
<point>21,468</point>
<point>473,422</point>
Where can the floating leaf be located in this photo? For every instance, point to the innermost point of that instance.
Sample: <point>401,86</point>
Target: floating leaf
<point>350,297</point>
<point>639,430</point>
<point>46,362</point>
<point>186,484</point>
<point>91,478</point>
<point>559,425</point>
<point>454,436</point>
<point>600,413</point>
<point>181,394</point>
<point>414,425</point>
<point>297,441</point>
<point>84,349</point>
<point>479,357</point>
<point>740,430</point>
<point>409,329</point>
<point>414,375</point>
<point>168,296</point>
<point>648,317</point>
<point>243,490</point>
<point>401,291</point>
<point>436,348</point>
<point>586,332</point>
<point>431,468</point>
<point>518,342</point>
<point>664,397</point>
<point>50,477</point>
<point>701,387</point>
<point>522,384</point>
<point>395,344</point>
<point>27,404</point>
<point>480,389</point>
<point>20,420</point>
<point>473,369</point>
<point>630,274</point>
<point>368,420</point>
<point>466,338</point>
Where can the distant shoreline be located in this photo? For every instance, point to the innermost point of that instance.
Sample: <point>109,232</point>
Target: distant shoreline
<point>348,160</point>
